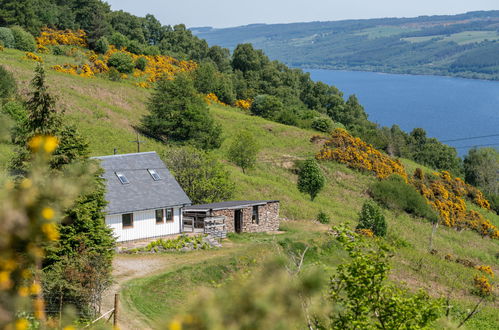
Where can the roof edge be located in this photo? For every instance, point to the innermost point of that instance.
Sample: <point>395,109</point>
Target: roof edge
<point>121,155</point>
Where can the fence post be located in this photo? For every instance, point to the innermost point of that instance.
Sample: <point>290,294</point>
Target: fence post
<point>115,314</point>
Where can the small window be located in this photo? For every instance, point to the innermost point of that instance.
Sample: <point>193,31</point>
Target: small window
<point>127,220</point>
<point>160,215</point>
<point>255,218</point>
<point>169,214</point>
<point>154,175</point>
<point>123,179</point>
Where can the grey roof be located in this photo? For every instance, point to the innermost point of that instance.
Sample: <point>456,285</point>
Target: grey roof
<point>227,205</point>
<point>142,193</point>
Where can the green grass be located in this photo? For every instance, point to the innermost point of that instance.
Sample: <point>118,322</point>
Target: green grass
<point>385,31</point>
<point>461,38</point>
<point>106,113</point>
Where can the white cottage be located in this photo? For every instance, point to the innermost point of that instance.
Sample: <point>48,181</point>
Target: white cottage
<point>144,199</point>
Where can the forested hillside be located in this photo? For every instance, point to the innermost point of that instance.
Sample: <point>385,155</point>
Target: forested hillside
<point>463,45</point>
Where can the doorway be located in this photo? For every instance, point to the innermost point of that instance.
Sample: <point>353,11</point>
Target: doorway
<point>238,220</point>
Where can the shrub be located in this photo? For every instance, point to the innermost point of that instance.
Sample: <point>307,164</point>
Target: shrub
<point>322,124</point>
<point>322,217</point>
<point>123,62</point>
<point>152,51</point>
<point>6,37</point>
<point>119,40</point>
<point>311,180</point>
<point>16,111</point>
<point>23,40</point>
<point>370,217</point>
<point>243,151</point>
<point>135,47</point>
<point>7,83</point>
<point>141,63</point>
<point>58,50</point>
<point>102,45</point>
<point>114,75</point>
<point>395,193</point>
<point>267,106</point>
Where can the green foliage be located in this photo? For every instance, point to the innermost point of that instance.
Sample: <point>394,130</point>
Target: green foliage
<point>183,242</point>
<point>323,217</point>
<point>481,169</point>
<point>102,45</point>
<point>8,86</point>
<point>179,114</point>
<point>267,106</point>
<point>200,175</point>
<point>141,63</point>
<point>7,38</point>
<point>119,40</point>
<point>311,180</point>
<point>23,40</point>
<point>135,47</point>
<point>113,74</point>
<point>322,124</point>
<point>361,298</point>
<point>243,150</point>
<point>394,193</point>
<point>16,111</point>
<point>123,62</point>
<point>371,217</point>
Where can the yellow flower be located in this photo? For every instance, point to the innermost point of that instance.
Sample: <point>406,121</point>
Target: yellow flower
<point>48,213</point>
<point>50,230</point>
<point>22,324</point>
<point>51,143</point>
<point>175,325</point>
<point>35,142</point>
<point>5,282</point>
<point>23,291</point>
<point>35,288</point>
<point>69,327</point>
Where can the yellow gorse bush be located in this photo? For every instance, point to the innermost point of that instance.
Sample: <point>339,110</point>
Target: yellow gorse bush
<point>443,192</point>
<point>52,37</point>
<point>212,98</point>
<point>355,153</point>
<point>244,104</point>
<point>33,57</point>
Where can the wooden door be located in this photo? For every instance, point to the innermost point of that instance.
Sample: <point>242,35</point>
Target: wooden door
<point>238,220</point>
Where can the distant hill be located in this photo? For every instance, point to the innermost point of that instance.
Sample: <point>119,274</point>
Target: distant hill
<point>465,45</point>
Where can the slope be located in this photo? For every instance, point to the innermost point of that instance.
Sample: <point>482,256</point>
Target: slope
<point>106,112</point>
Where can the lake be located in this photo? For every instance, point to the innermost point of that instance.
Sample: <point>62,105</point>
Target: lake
<point>447,108</point>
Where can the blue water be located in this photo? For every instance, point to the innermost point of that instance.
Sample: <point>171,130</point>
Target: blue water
<point>447,108</point>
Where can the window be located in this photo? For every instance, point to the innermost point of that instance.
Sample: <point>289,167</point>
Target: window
<point>255,218</point>
<point>154,175</point>
<point>169,214</point>
<point>122,178</point>
<point>127,220</point>
<point>160,215</point>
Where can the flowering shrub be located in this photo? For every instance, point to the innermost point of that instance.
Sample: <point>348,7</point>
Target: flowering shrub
<point>212,98</point>
<point>447,195</point>
<point>355,153</point>
<point>33,57</point>
<point>52,37</point>
<point>365,232</point>
<point>482,288</point>
<point>244,104</point>
<point>485,269</point>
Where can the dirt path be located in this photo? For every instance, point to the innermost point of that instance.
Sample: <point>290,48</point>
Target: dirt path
<point>129,267</point>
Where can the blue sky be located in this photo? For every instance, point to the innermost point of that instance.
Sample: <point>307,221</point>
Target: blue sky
<point>224,13</point>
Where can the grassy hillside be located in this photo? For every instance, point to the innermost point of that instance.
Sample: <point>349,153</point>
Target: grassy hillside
<point>106,113</point>
<point>461,45</point>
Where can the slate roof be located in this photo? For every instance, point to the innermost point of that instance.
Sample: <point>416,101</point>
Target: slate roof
<point>142,193</point>
<point>227,205</point>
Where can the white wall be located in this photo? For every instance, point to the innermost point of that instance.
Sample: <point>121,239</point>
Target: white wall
<point>144,225</point>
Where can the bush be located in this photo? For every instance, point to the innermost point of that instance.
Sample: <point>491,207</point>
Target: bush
<point>394,193</point>
<point>322,217</point>
<point>7,84</point>
<point>6,37</point>
<point>118,40</point>
<point>243,150</point>
<point>23,40</point>
<point>114,75</point>
<point>152,51</point>
<point>494,202</point>
<point>123,62</point>
<point>16,111</point>
<point>311,180</point>
<point>135,47</point>
<point>370,217</point>
<point>141,63</point>
<point>102,45</point>
<point>322,124</point>
<point>267,106</point>
<point>58,50</point>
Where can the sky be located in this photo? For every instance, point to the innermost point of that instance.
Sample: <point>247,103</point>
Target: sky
<point>226,13</point>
